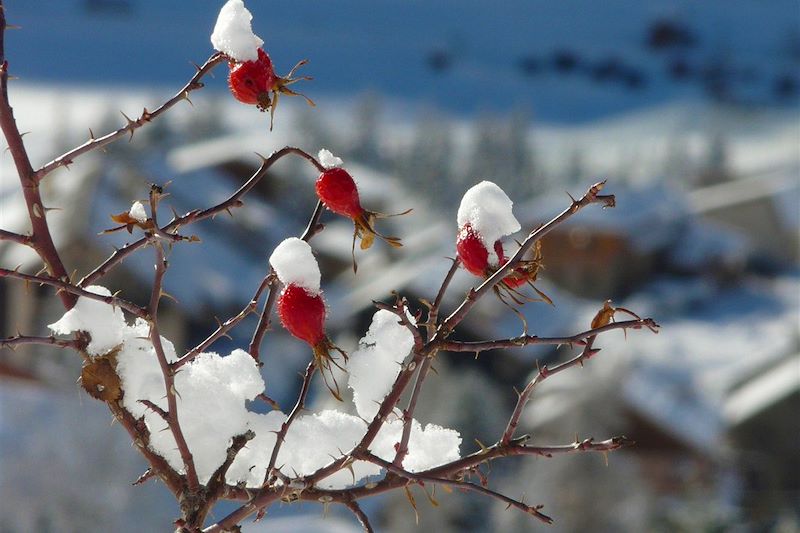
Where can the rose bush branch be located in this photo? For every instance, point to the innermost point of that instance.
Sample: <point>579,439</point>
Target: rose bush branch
<point>360,515</point>
<point>271,475</point>
<point>132,125</point>
<point>196,215</point>
<point>22,340</point>
<point>40,238</point>
<point>75,291</point>
<point>422,479</point>
<point>168,373</point>
<point>526,340</point>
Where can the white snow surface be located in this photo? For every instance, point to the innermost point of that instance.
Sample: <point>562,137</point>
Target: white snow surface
<point>137,211</point>
<point>101,321</point>
<point>295,264</point>
<point>233,35</point>
<point>211,395</point>
<point>328,160</point>
<point>374,366</point>
<point>489,211</point>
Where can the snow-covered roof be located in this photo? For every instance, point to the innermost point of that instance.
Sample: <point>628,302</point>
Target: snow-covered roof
<point>765,390</point>
<point>771,184</point>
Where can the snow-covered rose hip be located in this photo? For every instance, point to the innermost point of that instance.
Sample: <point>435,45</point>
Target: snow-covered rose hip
<point>484,217</point>
<point>252,78</point>
<point>301,307</point>
<point>338,191</point>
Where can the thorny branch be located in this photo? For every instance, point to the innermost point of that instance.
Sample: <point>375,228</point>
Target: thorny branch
<point>270,475</point>
<point>526,340</point>
<point>132,125</point>
<point>233,201</point>
<point>69,288</point>
<point>40,238</point>
<point>362,517</point>
<point>20,340</point>
<point>167,372</point>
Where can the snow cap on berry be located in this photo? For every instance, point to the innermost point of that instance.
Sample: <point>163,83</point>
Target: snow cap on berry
<point>328,160</point>
<point>233,34</point>
<point>487,209</point>
<point>295,264</point>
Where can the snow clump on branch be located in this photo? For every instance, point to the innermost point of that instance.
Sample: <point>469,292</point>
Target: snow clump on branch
<point>212,392</point>
<point>102,322</point>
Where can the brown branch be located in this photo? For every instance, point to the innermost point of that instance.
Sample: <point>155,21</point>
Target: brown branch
<point>362,517</point>
<point>474,295</point>
<point>19,340</point>
<point>433,312</point>
<point>232,520</point>
<point>167,372</point>
<point>137,429</point>
<point>40,239</point>
<point>543,373</point>
<point>421,479</point>
<point>132,125</point>
<point>525,340</point>
<point>216,484</point>
<point>71,289</point>
<point>408,413</point>
<point>269,475</point>
<point>233,201</point>
<point>223,329</point>
<point>260,498</point>
<point>426,360</point>
<point>26,240</point>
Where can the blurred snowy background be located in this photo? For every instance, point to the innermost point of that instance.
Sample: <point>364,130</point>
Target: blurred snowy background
<point>691,110</point>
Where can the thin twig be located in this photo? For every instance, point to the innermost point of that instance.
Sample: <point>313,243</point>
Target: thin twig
<point>132,125</point>
<point>169,376</point>
<point>543,373</point>
<point>26,240</point>
<point>464,485</point>
<point>64,286</point>
<point>408,413</point>
<point>269,475</point>
<point>362,517</point>
<point>233,201</point>
<point>223,329</point>
<point>525,340</point>
<point>433,312</point>
<point>19,340</point>
<point>41,239</point>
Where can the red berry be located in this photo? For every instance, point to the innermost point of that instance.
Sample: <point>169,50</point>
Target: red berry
<point>303,314</point>
<point>251,81</point>
<point>473,254</point>
<point>337,190</point>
